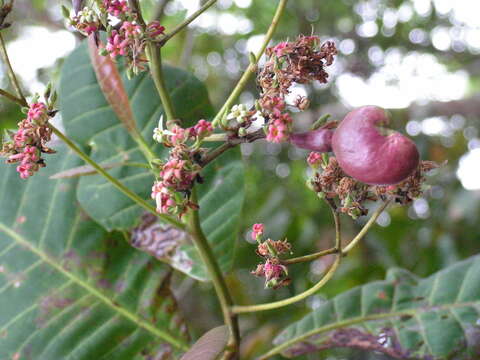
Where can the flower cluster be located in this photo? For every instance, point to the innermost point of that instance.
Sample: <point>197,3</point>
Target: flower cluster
<point>272,268</point>
<point>329,181</point>
<point>29,142</point>
<point>126,38</point>
<point>300,62</point>
<point>241,121</point>
<point>177,135</point>
<point>178,174</point>
<point>117,8</point>
<point>409,189</point>
<point>86,21</point>
<point>129,39</point>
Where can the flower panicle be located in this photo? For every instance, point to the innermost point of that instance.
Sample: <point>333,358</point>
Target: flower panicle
<point>296,62</point>
<point>29,142</point>
<point>271,251</point>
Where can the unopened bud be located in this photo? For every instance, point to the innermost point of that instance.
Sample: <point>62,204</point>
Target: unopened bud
<point>323,119</point>
<point>65,12</point>
<point>242,132</point>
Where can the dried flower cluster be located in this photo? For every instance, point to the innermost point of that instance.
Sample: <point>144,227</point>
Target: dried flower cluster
<point>329,181</point>
<point>272,269</point>
<point>128,38</point>
<point>301,61</point>
<point>178,174</point>
<point>29,142</point>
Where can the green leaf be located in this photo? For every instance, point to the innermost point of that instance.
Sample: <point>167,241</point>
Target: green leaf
<point>403,317</point>
<point>68,289</point>
<point>90,121</point>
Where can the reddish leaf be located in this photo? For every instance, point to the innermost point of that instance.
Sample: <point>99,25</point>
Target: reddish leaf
<point>209,346</point>
<point>112,87</point>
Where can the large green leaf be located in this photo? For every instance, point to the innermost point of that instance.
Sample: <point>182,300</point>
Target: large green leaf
<point>91,122</point>
<point>68,289</point>
<point>404,317</point>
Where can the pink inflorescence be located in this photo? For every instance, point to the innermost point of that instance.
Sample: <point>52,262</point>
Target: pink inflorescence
<point>154,29</point>
<point>29,142</point>
<point>297,62</point>
<point>203,128</point>
<point>116,8</point>
<point>178,174</point>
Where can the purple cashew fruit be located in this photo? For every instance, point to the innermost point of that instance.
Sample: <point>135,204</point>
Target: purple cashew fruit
<point>364,149</point>
<point>370,155</point>
<point>319,140</point>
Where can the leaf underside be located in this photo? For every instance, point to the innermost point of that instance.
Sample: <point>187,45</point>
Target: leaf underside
<point>209,346</point>
<point>70,290</point>
<point>90,121</point>
<point>404,317</point>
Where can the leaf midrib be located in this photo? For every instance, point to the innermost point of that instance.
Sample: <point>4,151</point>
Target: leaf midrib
<point>71,276</point>
<point>361,319</point>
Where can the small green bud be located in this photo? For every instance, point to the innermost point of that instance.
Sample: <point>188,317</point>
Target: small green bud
<point>53,98</point>
<point>348,201</point>
<point>48,90</point>
<point>325,159</point>
<point>252,58</point>
<point>65,12</point>
<point>242,132</point>
<point>309,184</point>
<point>322,120</point>
<point>321,195</point>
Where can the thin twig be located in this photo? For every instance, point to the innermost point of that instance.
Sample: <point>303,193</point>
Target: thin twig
<point>13,98</point>
<point>155,60</point>
<point>310,257</point>
<point>221,289</point>
<point>253,65</point>
<point>324,280</point>
<point>366,227</point>
<point>11,73</point>
<point>187,21</point>
<point>293,299</point>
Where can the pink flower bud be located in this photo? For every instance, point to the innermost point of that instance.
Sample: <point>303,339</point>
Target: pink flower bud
<point>257,231</point>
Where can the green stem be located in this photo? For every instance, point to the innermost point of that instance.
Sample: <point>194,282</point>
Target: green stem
<point>216,137</point>
<point>293,299</point>
<point>11,73</point>
<point>253,65</point>
<point>187,21</point>
<point>336,219</point>
<point>216,276</point>
<point>142,144</point>
<point>13,98</point>
<point>310,257</point>
<point>155,60</point>
<point>366,227</point>
<point>328,275</point>
<point>141,202</point>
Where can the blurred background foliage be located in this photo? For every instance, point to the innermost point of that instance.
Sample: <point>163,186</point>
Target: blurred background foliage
<point>419,58</point>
